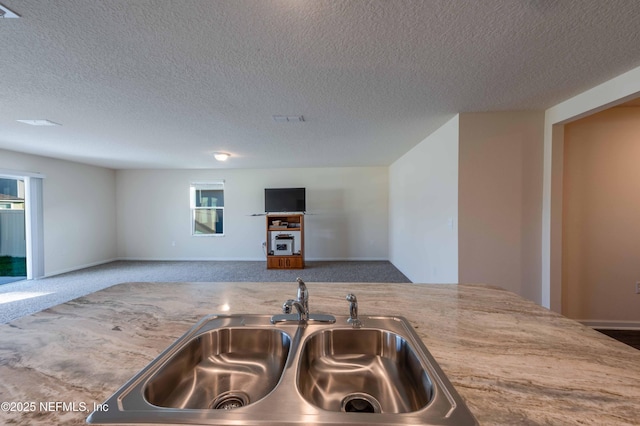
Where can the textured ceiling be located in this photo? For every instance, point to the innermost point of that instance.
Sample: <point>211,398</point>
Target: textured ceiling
<point>164,84</point>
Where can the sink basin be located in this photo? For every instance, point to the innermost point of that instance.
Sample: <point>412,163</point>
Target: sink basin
<point>355,370</point>
<point>221,369</point>
<point>245,370</point>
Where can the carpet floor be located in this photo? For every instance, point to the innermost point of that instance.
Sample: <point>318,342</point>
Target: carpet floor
<point>26,297</point>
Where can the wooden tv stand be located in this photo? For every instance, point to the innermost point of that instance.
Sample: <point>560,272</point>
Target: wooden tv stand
<point>285,241</point>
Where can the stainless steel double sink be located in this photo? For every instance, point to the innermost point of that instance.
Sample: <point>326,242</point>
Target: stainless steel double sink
<point>246,370</point>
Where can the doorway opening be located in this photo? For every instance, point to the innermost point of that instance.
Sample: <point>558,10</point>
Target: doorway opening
<point>13,242</point>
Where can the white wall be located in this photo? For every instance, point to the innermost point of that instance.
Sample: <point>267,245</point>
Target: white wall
<point>423,208</point>
<point>79,210</point>
<point>499,200</point>
<point>601,231</point>
<point>347,213</point>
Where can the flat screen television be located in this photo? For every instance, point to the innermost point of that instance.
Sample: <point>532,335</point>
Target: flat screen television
<point>284,200</point>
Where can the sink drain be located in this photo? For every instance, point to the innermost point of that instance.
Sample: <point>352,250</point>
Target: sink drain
<point>360,403</point>
<point>230,401</point>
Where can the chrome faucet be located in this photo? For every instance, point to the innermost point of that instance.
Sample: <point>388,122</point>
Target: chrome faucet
<point>353,311</point>
<point>301,304</point>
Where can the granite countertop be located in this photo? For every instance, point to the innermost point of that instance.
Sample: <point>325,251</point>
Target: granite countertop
<point>511,360</point>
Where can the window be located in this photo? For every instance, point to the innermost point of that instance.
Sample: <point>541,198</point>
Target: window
<point>207,208</point>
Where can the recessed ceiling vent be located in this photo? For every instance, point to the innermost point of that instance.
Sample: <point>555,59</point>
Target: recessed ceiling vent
<point>288,118</point>
<point>39,122</point>
<point>7,13</point>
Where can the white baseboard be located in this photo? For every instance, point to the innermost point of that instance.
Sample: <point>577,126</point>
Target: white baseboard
<point>246,259</point>
<point>192,259</point>
<point>608,324</point>
<point>75,268</point>
<point>345,259</point>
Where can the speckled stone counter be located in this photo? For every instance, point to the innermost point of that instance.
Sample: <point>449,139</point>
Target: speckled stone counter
<point>511,360</point>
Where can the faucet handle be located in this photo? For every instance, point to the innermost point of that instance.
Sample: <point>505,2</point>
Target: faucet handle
<point>286,306</point>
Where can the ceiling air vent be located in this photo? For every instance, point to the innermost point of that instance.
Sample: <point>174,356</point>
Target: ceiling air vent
<point>7,13</point>
<point>39,122</point>
<point>288,118</point>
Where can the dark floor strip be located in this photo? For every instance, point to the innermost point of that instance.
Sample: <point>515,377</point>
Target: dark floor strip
<point>629,337</point>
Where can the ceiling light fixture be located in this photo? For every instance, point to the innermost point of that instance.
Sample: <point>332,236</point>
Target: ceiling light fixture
<point>7,13</point>
<point>221,156</point>
<point>39,122</point>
